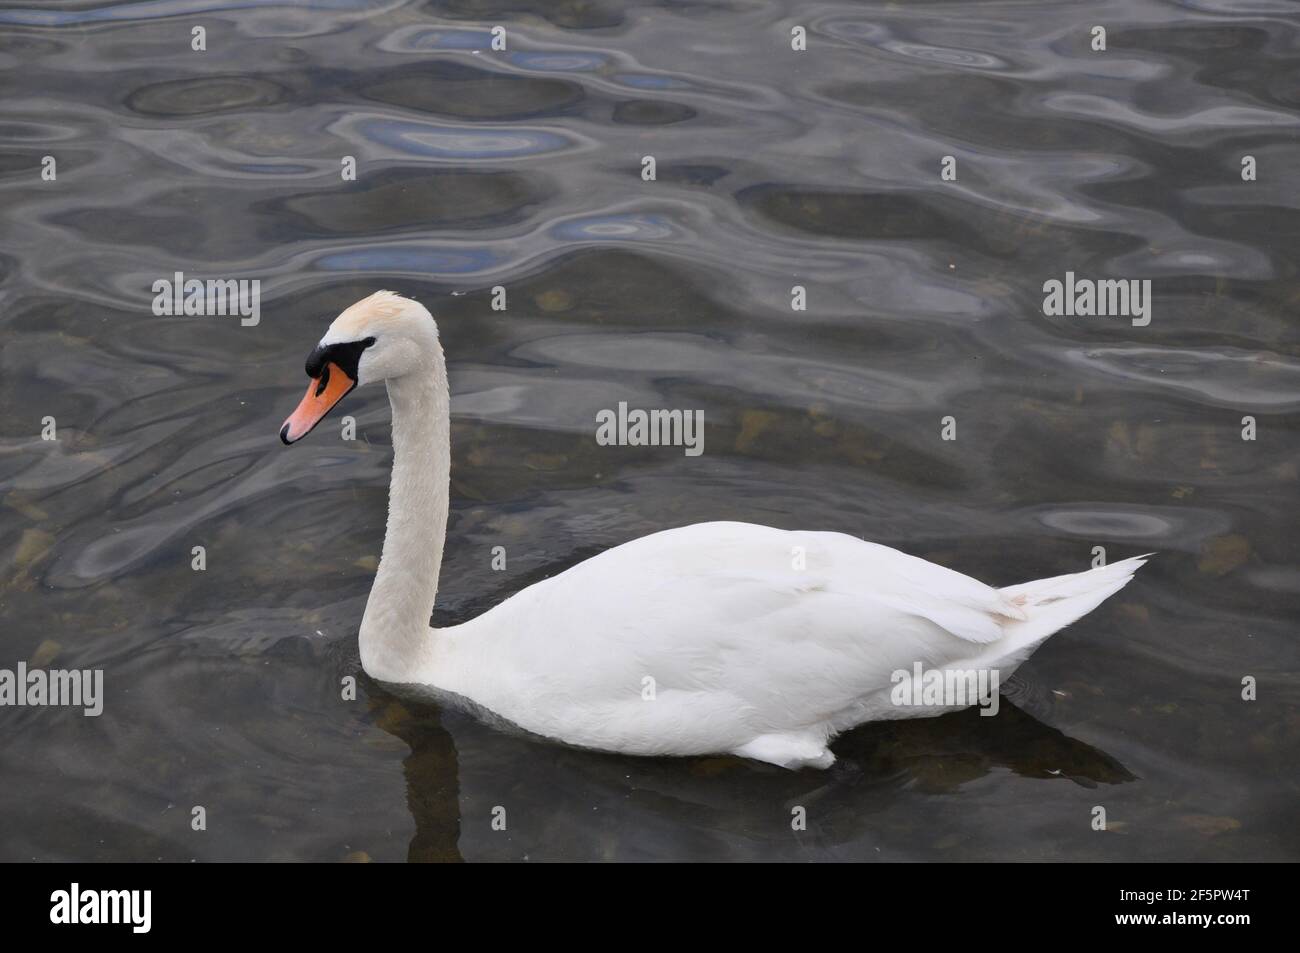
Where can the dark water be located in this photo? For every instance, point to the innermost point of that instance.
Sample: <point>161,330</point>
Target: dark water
<point>775,168</point>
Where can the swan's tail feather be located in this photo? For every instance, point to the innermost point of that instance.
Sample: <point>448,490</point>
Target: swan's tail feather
<point>1052,604</point>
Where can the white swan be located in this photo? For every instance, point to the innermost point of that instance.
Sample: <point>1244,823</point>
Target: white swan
<point>748,654</point>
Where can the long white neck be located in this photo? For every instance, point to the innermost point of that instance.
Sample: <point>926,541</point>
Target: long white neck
<point>396,644</point>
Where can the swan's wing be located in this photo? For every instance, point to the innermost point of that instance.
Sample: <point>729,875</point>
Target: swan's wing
<point>787,565</point>
<point>962,606</point>
<point>719,604</point>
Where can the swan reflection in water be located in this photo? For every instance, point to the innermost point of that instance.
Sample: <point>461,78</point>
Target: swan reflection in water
<point>563,803</point>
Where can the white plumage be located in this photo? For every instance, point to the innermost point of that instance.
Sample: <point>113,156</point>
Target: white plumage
<point>712,638</point>
<point>748,655</point>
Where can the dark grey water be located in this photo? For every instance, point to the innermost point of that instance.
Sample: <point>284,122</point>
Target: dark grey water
<point>774,168</point>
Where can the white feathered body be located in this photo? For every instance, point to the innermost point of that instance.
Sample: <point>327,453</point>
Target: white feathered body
<point>732,637</point>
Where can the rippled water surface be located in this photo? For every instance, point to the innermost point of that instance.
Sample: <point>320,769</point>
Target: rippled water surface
<point>775,168</point>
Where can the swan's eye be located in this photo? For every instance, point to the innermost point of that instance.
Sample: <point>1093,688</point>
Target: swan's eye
<point>346,355</point>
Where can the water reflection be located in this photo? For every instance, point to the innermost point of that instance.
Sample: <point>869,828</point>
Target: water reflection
<point>566,804</point>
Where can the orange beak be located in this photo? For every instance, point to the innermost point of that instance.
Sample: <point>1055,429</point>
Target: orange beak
<point>322,394</point>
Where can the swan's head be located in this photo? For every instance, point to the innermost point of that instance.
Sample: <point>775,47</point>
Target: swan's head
<point>378,338</point>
